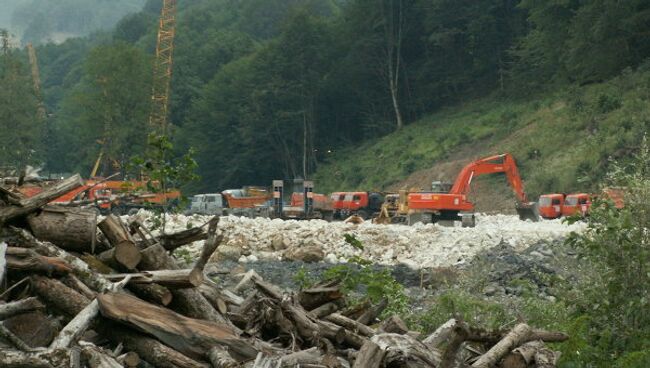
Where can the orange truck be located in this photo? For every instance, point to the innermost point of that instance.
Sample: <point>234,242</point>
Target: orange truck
<point>556,205</point>
<point>455,206</point>
<point>362,204</point>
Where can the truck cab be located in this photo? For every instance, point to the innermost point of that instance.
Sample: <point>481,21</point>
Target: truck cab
<point>207,204</point>
<point>550,205</point>
<point>578,203</point>
<point>362,204</point>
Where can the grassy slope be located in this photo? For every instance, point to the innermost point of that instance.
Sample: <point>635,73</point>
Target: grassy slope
<point>575,131</point>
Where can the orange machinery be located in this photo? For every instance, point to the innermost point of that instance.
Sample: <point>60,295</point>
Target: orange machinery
<point>362,204</point>
<point>550,205</point>
<point>455,206</point>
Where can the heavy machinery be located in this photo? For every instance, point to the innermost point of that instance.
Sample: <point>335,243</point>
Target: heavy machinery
<point>454,205</point>
<point>550,205</point>
<point>362,204</point>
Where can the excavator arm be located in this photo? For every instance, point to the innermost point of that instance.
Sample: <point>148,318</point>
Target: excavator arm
<point>503,163</point>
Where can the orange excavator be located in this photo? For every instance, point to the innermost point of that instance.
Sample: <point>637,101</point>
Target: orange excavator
<point>454,205</point>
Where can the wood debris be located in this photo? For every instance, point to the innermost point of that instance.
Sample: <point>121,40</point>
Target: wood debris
<point>125,302</point>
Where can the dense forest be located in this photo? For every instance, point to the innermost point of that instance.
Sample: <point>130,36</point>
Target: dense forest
<point>270,88</point>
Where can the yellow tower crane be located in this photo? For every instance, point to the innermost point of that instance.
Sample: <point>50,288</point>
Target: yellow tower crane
<point>162,68</point>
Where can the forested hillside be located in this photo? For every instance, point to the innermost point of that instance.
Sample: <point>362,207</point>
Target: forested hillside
<point>273,88</point>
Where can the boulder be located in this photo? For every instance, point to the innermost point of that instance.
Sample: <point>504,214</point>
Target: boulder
<point>308,254</point>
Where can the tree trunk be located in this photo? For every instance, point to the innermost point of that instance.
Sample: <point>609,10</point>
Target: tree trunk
<point>370,356</point>
<point>514,338</point>
<point>190,336</point>
<point>176,279</point>
<point>219,358</point>
<point>26,260</point>
<point>124,253</point>
<point>68,227</point>
<point>29,205</point>
<point>189,302</point>
<point>20,306</point>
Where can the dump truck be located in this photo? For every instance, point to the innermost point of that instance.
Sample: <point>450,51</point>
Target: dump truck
<point>362,204</point>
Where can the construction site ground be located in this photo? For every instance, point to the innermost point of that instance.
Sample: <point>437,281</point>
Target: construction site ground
<point>499,260</point>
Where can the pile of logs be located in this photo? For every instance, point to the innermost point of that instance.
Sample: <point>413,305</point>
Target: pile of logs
<point>78,292</point>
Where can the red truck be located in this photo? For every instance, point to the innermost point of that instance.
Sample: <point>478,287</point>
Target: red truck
<point>362,204</point>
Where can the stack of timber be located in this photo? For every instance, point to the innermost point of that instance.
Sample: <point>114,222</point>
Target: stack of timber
<point>78,292</point>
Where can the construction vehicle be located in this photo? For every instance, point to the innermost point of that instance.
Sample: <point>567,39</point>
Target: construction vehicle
<point>455,206</point>
<point>362,204</point>
<point>302,203</point>
<point>550,205</point>
<point>578,203</point>
<point>217,204</point>
<point>394,210</point>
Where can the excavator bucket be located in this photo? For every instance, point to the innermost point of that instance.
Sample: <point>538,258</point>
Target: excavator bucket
<point>528,211</point>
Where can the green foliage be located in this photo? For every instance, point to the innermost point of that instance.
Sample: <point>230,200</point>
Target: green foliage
<point>353,241</point>
<point>360,275</point>
<point>616,242</point>
<point>105,111</point>
<point>303,278</point>
<point>21,141</point>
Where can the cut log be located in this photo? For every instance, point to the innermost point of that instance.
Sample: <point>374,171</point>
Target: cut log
<point>34,328</point>
<point>18,307</point>
<point>324,310</point>
<point>114,230</point>
<point>406,351</point>
<point>514,338</point>
<point>55,293</point>
<point>124,253</point>
<point>316,296</point>
<point>350,324</point>
<point>76,326</point>
<point>178,279</point>
<point>19,359</point>
<point>124,256</point>
<point>98,358</point>
<point>210,245</point>
<point>70,228</point>
<point>29,205</point>
<point>13,339</point>
<point>149,349</point>
<point>154,293</point>
<point>373,312</point>
<point>77,285</point>
<point>188,302</point>
<point>370,356</point>
<point>23,259</point>
<point>173,241</point>
<point>215,298</point>
<point>394,324</point>
<point>190,336</point>
<point>129,359</point>
<point>301,358</point>
<point>70,303</point>
<point>219,358</point>
<point>79,268</point>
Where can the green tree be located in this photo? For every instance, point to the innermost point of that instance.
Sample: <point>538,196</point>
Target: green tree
<point>21,138</point>
<point>617,241</point>
<point>108,109</point>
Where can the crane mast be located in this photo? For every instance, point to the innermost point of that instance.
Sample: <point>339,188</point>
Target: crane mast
<point>162,68</point>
